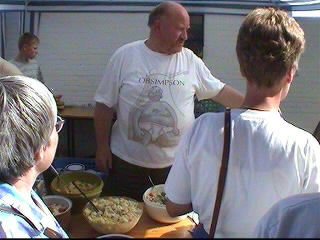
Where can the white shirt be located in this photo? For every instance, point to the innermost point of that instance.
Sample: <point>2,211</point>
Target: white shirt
<point>153,94</point>
<point>270,159</point>
<point>294,217</point>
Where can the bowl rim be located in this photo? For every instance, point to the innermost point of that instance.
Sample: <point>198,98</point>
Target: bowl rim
<point>69,202</point>
<point>88,204</point>
<point>82,166</point>
<point>97,188</point>
<point>115,235</point>
<point>148,202</point>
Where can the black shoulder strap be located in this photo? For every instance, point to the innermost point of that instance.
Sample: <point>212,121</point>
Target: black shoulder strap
<point>223,172</point>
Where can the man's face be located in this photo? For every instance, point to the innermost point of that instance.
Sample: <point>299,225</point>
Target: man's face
<point>174,31</point>
<point>31,50</point>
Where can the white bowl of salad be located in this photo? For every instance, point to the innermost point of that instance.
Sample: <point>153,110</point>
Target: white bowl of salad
<point>60,207</point>
<point>154,199</point>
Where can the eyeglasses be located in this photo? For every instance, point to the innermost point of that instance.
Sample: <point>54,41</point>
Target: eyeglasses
<point>59,124</point>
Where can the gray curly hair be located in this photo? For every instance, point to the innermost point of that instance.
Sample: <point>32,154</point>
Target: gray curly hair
<point>269,43</point>
<point>28,114</point>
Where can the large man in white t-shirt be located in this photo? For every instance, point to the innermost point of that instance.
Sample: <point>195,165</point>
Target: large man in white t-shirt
<point>151,85</point>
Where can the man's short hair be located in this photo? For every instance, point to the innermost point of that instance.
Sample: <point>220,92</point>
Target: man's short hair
<point>269,44</point>
<point>159,11</point>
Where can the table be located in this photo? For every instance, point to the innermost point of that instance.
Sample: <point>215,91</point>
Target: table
<point>145,228</point>
<point>72,113</point>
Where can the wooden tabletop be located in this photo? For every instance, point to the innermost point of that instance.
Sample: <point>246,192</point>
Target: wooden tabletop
<point>77,112</point>
<point>145,228</point>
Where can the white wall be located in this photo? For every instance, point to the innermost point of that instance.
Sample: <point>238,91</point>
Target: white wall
<point>302,106</point>
<point>220,34</point>
<point>75,48</point>
<point>13,26</point>
<point>12,34</point>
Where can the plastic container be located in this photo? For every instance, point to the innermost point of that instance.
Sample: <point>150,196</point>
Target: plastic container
<point>75,167</point>
<point>62,163</point>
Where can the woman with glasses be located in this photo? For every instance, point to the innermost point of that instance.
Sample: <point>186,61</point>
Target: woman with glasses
<point>29,128</point>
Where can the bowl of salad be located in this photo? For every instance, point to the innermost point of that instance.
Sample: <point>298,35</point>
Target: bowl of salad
<point>116,215</point>
<point>60,207</point>
<point>155,204</point>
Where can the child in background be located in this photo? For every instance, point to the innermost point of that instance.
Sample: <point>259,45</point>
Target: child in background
<point>25,60</point>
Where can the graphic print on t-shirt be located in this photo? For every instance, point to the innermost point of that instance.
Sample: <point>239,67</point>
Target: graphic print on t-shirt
<point>153,120</point>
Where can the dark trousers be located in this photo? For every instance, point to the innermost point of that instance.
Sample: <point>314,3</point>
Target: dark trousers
<point>131,180</point>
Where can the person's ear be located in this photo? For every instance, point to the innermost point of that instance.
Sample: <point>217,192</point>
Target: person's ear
<point>157,24</point>
<point>24,47</point>
<point>39,153</point>
<point>290,75</point>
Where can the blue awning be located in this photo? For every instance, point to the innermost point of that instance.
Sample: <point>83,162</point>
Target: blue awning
<point>243,4</point>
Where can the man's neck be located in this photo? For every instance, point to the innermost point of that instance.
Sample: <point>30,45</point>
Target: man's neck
<point>155,46</point>
<point>259,99</point>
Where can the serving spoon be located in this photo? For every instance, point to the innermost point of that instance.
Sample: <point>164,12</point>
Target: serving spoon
<point>85,196</point>
<point>151,181</point>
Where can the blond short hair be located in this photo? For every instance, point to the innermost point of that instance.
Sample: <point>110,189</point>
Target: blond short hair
<point>269,43</point>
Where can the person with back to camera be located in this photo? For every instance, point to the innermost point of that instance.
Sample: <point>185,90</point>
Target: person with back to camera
<point>25,60</point>
<point>270,158</point>
<point>8,69</point>
<point>293,217</point>
<point>151,85</point>
<point>29,128</point>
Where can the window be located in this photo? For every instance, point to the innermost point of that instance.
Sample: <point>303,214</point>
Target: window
<point>195,36</point>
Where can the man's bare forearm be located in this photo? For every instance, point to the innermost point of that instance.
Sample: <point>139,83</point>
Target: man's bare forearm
<point>229,97</point>
<point>102,122</point>
<point>175,209</point>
